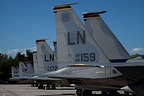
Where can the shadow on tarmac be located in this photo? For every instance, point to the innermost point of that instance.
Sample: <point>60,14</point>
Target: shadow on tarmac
<point>77,95</point>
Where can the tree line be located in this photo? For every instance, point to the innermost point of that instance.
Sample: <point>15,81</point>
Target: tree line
<point>7,61</point>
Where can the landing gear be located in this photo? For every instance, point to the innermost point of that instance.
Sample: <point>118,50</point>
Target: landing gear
<point>126,94</point>
<point>53,86</point>
<point>104,93</point>
<point>47,87</point>
<point>87,93</point>
<point>81,92</point>
<point>40,86</point>
<point>114,93</point>
<point>34,84</point>
<point>50,87</point>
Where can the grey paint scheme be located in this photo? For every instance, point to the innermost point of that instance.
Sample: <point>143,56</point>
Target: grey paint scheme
<point>119,55</point>
<point>102,34</point>
<point>68,26</point>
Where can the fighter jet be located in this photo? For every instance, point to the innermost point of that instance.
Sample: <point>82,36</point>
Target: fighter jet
<point>46,58</point>
<point>45,61</point>
<point>21,72</point>
<point>116,53</point>
<point>77,47</point>
<point>14,73</point>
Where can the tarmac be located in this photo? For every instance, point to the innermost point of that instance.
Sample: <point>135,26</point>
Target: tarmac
<point>27,90</point>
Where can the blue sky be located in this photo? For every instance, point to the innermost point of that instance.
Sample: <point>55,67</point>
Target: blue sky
<point>24,21</point>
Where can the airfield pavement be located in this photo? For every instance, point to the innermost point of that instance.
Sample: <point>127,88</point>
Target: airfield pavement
<point>27,90</point>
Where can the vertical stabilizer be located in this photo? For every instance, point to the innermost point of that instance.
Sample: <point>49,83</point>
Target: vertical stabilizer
<point>35,62</point>
<point>15,72</point>
<point>55,48</point>
<point>46,58</point>
<point>75,44</point>
<point>30,69</point>
<point>22,69</point>
<point>110,45</point>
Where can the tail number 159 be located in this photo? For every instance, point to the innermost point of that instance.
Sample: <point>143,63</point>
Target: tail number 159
<point>85,57</point>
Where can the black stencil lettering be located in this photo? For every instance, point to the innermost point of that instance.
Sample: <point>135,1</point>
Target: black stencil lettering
<point>49,58</point>
<point>69,40</point>
<point>80,37</point>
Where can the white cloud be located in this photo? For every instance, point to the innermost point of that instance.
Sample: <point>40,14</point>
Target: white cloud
<point>137,50</point>
<point>13,52</point>
<point>33,49</point>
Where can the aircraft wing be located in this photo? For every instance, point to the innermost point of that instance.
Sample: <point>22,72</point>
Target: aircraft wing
<point>43,78</point>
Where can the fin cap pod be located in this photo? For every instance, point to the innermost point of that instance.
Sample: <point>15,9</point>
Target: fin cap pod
<point>64,6</point>
<point>92,14</point>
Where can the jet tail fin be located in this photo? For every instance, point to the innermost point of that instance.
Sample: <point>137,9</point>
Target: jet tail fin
<point>15,72</point>
<point>22,69</point>
<point>30,68</point>
<point>75,44</point>
<point>47,60</point>
<point>35,62</point>
<point>110,45</point>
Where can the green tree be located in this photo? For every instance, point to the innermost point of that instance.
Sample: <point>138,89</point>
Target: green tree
<point>19,56</point>
<point>7,61</point>
<point>29,55</point>
<point>5,66</point>
<point>137,55</point>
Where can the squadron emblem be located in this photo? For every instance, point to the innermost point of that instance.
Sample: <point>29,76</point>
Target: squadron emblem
<point>65,16</point>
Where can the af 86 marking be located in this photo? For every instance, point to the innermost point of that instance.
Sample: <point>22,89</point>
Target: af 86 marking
<point>85,57</point>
